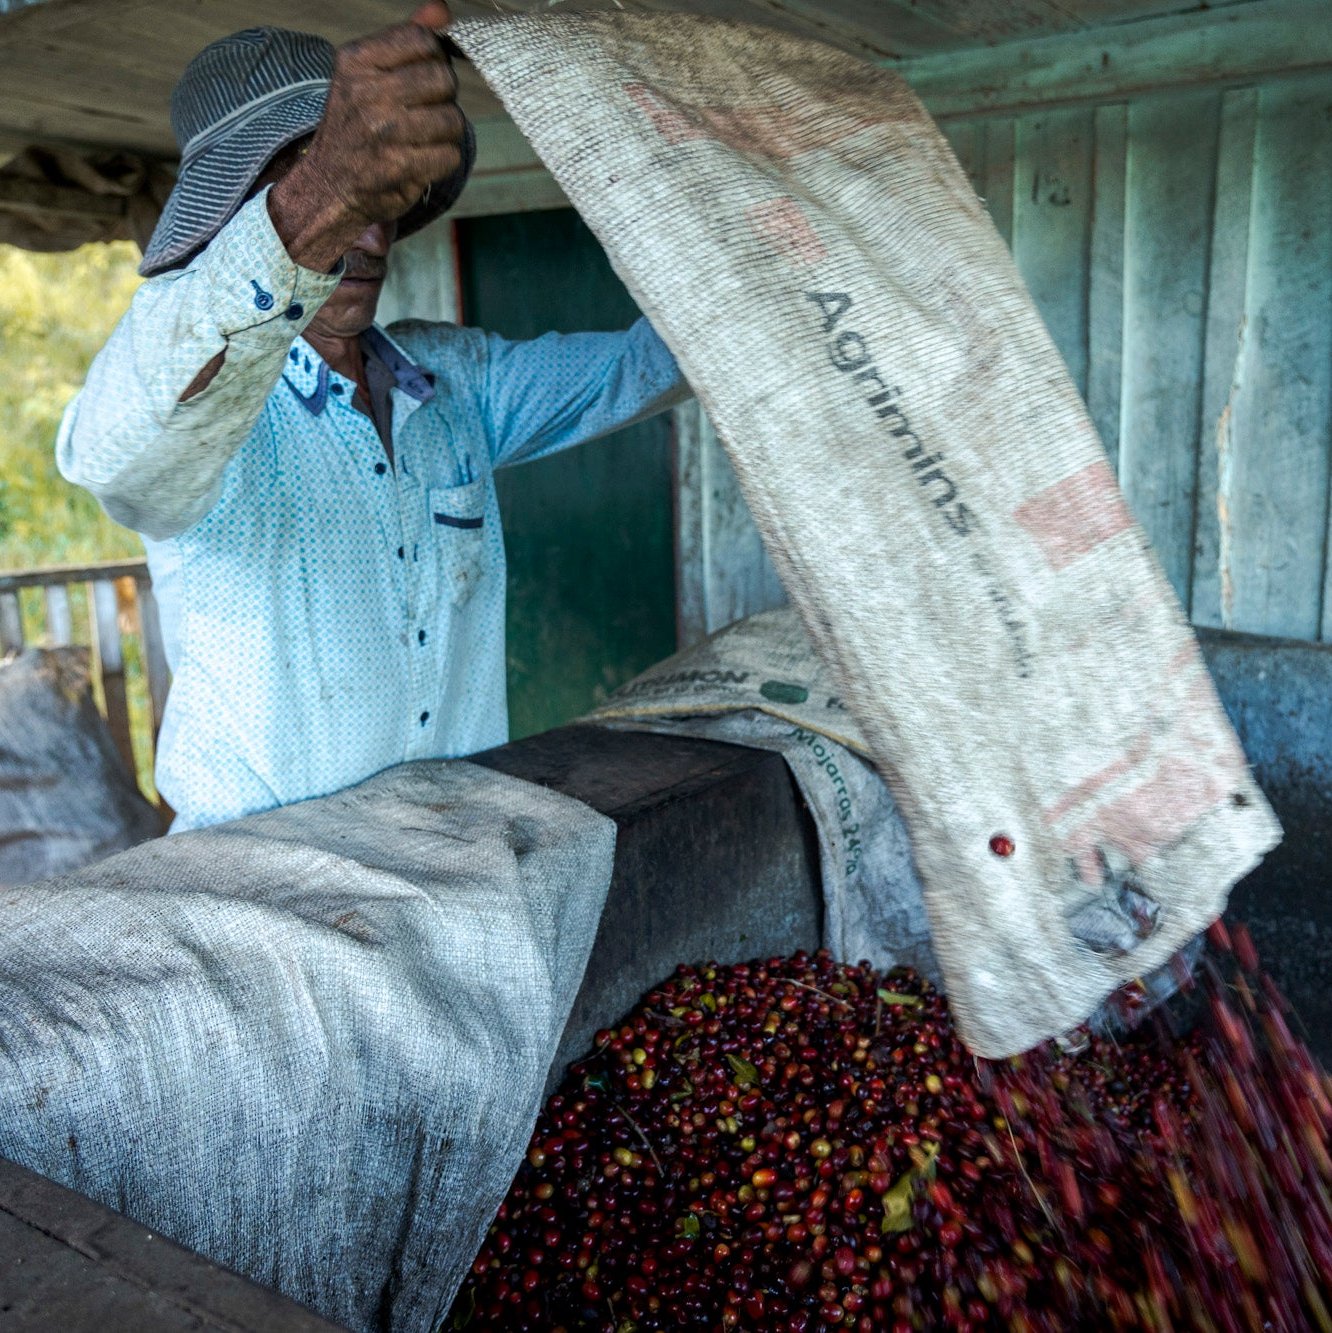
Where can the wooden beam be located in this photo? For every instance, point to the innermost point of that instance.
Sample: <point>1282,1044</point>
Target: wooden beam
<point>24,196</point>
<point>1236,45</point>
<point>516,191</point>
<point>70,1263</point>
<point>508,177</point>
<point>11,580</point>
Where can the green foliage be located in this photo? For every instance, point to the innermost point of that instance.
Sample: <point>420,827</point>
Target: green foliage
<point>55,312</point>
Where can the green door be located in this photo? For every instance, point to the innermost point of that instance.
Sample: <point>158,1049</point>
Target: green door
<point>591,582</point>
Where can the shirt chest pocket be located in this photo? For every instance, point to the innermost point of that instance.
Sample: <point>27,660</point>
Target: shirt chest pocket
<point>457,520</point>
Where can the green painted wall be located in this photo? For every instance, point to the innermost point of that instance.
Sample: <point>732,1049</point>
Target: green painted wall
<point>591,585</point>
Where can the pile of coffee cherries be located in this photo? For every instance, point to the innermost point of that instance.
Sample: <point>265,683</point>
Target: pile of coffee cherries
<point>802,1145</point>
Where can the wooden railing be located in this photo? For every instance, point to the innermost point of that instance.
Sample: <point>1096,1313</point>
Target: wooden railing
<point>110,608</point>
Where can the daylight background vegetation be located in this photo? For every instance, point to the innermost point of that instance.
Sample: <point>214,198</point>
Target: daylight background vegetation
<point>55,312</point>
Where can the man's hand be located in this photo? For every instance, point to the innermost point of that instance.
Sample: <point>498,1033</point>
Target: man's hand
<point>391,128</point>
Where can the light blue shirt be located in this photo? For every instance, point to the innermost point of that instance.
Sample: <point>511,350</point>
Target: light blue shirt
<point>326,614</point>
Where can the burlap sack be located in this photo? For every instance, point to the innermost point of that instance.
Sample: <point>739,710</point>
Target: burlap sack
<point>66,799</point>
<point>310,1044</point>
<point>759,682</point>
<point>927,481</point>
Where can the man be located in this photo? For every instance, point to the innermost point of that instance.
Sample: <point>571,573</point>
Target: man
<point>316,496</point>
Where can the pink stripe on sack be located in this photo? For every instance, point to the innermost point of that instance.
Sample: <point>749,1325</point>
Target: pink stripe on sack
<point>1075,515</point>
<point>769,131</point>
<point>1103,777</point>
<point>783,225</point>
<point>1153,816</point>
<point>670,122</point>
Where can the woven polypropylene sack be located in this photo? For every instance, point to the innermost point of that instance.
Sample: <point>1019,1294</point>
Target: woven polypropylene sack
<point>310,1044</point>
<point>925,477</point>
<point>66,798</point>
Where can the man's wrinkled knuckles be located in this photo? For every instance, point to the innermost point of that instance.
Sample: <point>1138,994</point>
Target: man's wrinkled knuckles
<point>422,84</point>
<point>427,126</point>
<point>391,48</point>
<point>430,125</point>
<point>456,121</point>
<point>349,60</point>
<point>383,131</point>
<point>432,164</point>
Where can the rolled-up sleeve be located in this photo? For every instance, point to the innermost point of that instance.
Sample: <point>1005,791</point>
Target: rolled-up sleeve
<point>154,462</point>
<point>565,388</point>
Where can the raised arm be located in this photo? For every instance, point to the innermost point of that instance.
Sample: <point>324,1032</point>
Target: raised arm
<point>181,383</point>
<point>155,461</point>
<point>564,388</point>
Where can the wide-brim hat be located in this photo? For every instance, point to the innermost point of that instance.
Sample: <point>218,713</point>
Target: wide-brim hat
<point>240,101</point>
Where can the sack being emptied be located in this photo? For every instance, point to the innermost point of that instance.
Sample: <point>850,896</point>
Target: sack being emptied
<point>926,480</point>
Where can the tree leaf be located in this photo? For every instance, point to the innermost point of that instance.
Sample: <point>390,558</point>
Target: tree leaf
<point>462,1318</point>
<point>896,997</point>
<point>924,1158</point>
<point>686,1089</point>
<point>689,1226</point>
<point>746,1075</point>
<point>897,1205</point>
<point>897,1202</point>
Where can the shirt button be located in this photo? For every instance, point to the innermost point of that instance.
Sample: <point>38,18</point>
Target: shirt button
<point>425,717</point>
<point>402,553</point>
<point>263,300</point>
<point>420,636</point>
<point>335,388</point>
<point>295,310</point>
<point>380,469</point>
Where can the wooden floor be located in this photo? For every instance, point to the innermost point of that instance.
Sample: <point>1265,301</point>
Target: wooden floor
<point>68,1265</point>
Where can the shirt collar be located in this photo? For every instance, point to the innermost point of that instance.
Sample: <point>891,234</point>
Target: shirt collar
<point>310,379</point>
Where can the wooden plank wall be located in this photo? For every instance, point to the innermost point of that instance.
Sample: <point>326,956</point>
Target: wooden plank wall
<point>1179,245</point>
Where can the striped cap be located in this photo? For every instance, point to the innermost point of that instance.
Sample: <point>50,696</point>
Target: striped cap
<point>240,101</point>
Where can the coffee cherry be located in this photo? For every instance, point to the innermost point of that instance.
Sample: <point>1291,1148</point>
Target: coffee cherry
<point>741,1152</point>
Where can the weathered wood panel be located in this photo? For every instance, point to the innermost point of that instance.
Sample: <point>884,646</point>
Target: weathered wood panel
<point>11,624</point>
<point>69,1264</point>
<point>1224,46</point>
<point>997,183</point>
<point>722,571</point>
<point>59,619</point>
<point>108,659</point>
<point>1277,476</point>
<point>1180,247</point>
<point>154,651</point>
<point>985,149</point>
<point>1105,278</point>
<point>1171,165</point>
<point>1226,290</point>
<point>1052,209</point>
<point>967,140</point>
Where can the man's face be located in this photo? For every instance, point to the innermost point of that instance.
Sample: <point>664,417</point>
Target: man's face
<point>351,308</point>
